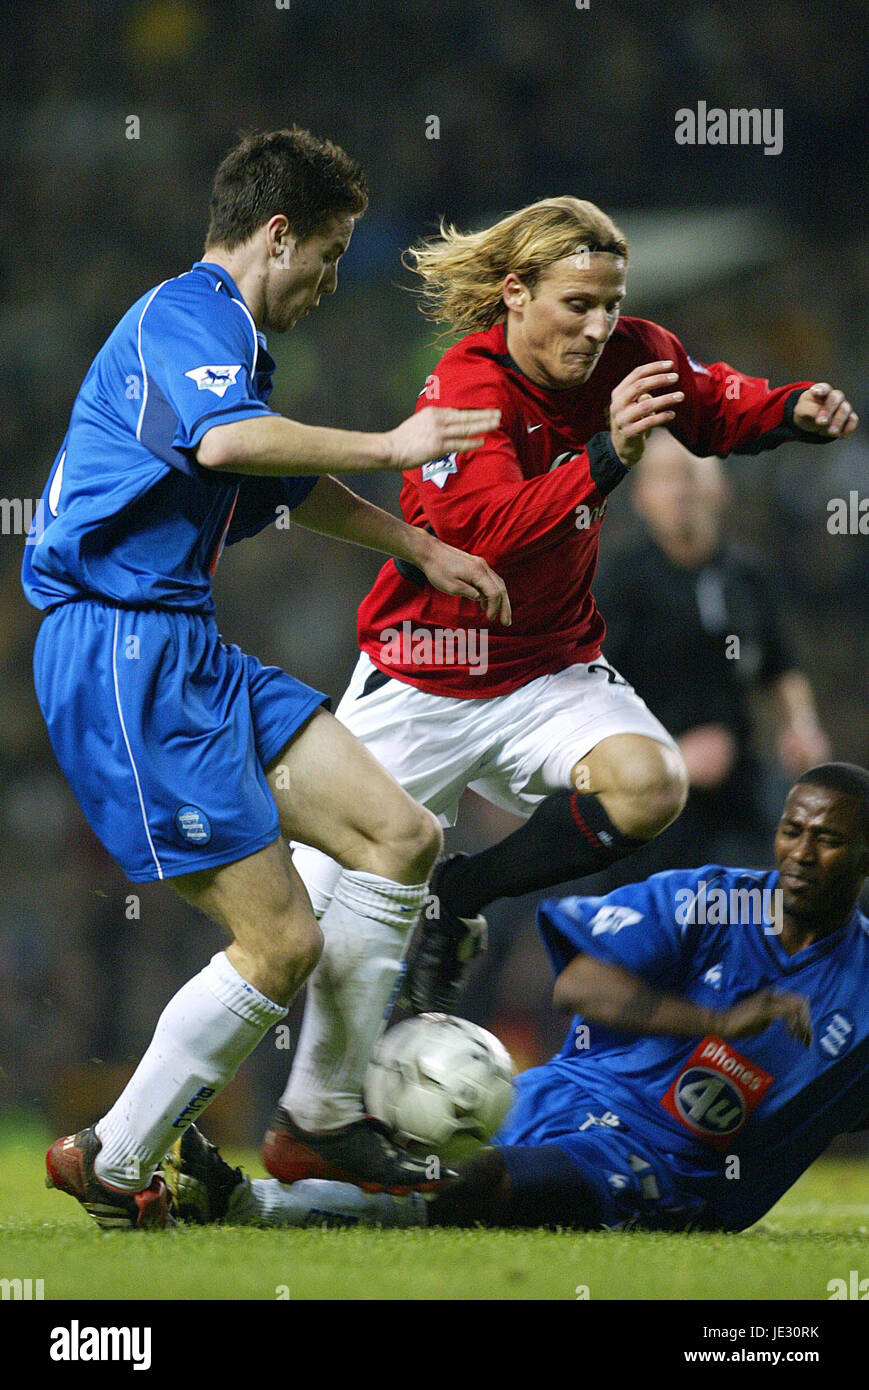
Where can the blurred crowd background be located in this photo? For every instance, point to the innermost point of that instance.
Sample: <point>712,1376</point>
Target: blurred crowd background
<point>533,98</point>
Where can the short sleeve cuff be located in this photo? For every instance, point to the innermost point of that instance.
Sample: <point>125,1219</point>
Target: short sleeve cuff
<point>247,410</point>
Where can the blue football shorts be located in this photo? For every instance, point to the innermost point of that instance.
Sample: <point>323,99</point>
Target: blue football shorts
<point>164,732</point>
<point>633,1181</point>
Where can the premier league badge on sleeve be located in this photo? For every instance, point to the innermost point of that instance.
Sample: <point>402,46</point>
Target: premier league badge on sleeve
<point>439,470</point>
<point>216,379</point>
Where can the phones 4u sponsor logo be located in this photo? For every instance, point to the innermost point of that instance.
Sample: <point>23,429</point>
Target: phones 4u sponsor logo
<point>716,1091</point>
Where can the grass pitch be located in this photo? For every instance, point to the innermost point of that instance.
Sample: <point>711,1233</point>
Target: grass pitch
<point>817,1233</point>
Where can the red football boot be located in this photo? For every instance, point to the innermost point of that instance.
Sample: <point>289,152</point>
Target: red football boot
<point>70,1168</point>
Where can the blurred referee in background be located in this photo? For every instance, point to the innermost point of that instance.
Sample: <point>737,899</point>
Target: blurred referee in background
<point>693,624</point>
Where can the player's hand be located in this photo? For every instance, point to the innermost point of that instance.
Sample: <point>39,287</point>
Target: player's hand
<point>755,1014</point>
<point>634,410</point>
<point>468,576</point>
<point>823,410</point>
<point>437,431</point>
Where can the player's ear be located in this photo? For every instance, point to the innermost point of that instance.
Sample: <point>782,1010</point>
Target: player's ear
<point>279,238</point>
<point>514,294</point>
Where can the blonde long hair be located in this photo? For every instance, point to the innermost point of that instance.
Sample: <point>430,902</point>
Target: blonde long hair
<point>463,273</point>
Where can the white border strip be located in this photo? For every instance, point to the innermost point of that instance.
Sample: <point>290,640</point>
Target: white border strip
<point>127,741</point>
<point>246,310</point>
<point>142,361</point>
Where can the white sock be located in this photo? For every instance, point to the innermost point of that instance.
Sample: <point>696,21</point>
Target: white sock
<point>350,995</point>
<point>319,874</point>
<point>264,1202</point>
<point>202,1037</point>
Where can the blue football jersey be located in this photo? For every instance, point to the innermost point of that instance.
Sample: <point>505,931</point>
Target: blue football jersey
<point>127,514</point>
<point>769,1102</point>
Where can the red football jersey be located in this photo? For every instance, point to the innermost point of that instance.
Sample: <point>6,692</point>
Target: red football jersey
<point>531,501</point>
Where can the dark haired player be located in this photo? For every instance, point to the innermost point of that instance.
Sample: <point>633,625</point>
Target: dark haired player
<point>546,727</point>
<point>720,1042</point>
<point>192,761</point>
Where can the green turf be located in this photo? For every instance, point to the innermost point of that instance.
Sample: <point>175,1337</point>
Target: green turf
<point>818,1232</point>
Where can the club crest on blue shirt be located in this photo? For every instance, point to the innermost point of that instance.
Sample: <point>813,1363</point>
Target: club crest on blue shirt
<point>215,378</point>
<point>835,1033</point>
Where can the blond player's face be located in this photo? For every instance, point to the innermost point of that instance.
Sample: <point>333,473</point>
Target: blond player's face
<point>558,332</point>
<point>307,270</point>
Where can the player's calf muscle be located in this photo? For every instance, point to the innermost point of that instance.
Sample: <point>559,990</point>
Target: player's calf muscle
<point>276,969</point>
<point>261,902</point>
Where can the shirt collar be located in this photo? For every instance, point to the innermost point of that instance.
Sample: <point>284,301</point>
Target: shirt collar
<point>220,274</point>
<point>226,279</point>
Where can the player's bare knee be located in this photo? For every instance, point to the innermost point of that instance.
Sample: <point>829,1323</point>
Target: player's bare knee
<point>651,793</point>
<point>288,958</point>
<point>309,949</point>
<point>421,842</point>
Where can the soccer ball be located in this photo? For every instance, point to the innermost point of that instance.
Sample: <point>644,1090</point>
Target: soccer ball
<point>440,1084</point>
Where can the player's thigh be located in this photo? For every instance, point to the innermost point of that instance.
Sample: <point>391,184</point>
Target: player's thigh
<point>333,794</point>
<point>430,743</point>
<point>553,726</point>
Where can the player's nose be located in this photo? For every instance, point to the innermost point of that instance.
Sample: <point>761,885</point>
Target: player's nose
<point>595,325</point>
<point>803,850</point>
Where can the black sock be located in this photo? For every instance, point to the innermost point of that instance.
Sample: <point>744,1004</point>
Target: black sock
<point>518,1186</point>
<point>568,836</point>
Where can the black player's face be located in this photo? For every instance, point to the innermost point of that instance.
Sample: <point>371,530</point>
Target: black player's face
<point>558,332</point>
<point>306,271</point>
<point>820,853</point>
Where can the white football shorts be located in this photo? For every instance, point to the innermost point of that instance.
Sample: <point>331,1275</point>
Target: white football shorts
<point>514,750</point>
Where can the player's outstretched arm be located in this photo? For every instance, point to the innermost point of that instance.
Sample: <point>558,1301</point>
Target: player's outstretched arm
<point>333,510</point>
<point>273,446</point>
<point>619,998</point>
